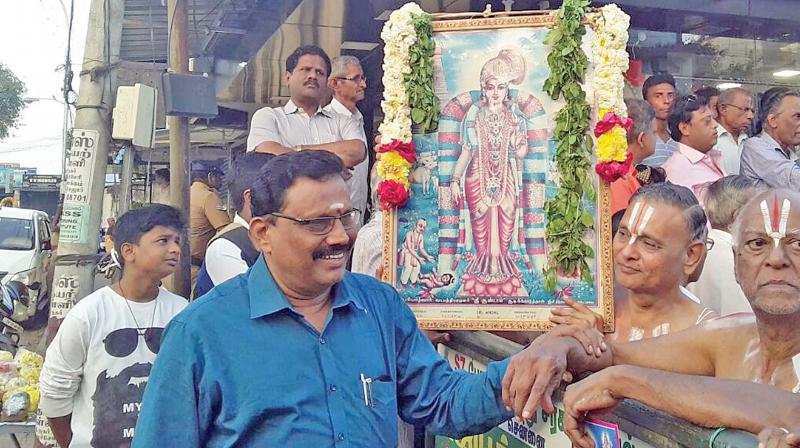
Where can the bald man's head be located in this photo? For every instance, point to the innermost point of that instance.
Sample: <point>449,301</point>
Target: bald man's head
<point>766,249</point>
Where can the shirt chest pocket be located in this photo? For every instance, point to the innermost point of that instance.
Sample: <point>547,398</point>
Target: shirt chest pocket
<point>323,130</point>
<point>378,403</point>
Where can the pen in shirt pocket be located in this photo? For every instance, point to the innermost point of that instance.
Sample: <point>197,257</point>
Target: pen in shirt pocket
<point>366,386</point>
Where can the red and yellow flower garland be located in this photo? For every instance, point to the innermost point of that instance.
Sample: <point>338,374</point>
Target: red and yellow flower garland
<point>610,62</point>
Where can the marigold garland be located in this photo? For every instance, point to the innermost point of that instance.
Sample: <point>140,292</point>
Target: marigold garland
<point>394,167</point>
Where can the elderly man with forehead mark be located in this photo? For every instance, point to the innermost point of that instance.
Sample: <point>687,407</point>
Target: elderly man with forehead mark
<point>670,373</point>
<point>659,245</point>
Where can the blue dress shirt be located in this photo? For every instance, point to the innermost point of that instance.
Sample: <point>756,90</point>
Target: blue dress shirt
<point>241,367</point>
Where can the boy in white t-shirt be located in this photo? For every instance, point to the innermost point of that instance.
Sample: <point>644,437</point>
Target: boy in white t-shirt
<point>98,364</point>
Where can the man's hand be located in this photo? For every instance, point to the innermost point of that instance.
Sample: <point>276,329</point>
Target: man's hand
<point>590,394</point>
<point>437,337</point>
<point>590,338</point>
<point>533,374</point>
<point>575,314</point>
<point>779,438</point>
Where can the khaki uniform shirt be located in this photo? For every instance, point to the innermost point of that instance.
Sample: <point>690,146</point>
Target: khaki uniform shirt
<point>206,215</point>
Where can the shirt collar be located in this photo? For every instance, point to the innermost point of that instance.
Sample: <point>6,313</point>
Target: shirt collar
<point>340,108</point>
<point>291,108</point>
<point>722,131</point>
<point>772,142</point>
<point>266,298</point>
<point>241,221</point>
<point>692,154</point>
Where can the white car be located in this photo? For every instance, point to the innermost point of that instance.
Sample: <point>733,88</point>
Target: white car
<point>26,257</point>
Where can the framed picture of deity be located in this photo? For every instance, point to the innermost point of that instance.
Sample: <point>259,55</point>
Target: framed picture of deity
<point>468,250</point>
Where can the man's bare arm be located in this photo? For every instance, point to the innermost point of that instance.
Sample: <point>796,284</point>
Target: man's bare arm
<point>535,372</point>
<point>694,351</point>
<point>352,152</point>
<point>705,401</point>
<point>677,354</point>
<point>61,429</point>
<point>272,148</point>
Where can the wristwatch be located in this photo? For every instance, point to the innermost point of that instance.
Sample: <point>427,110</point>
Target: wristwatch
<point>298,147</point>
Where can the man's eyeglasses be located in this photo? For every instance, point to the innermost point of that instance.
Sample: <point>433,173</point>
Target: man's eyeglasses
<point>323,225</point>
<point>743,109</point>
<point>356,79</point>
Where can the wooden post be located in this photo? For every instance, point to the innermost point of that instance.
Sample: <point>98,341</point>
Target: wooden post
<point>126,180</point>
<point>178,18</point>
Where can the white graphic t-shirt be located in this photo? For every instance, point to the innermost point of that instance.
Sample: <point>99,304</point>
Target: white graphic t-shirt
<point>98,364</point>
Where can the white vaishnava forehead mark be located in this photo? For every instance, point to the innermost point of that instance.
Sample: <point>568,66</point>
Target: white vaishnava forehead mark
<point>632,220</point>
<point>337,206</point>
<point>638,220</point>
<point>775,222</point>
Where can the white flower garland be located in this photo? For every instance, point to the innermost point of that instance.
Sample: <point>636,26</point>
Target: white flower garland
<point>398,35</point>
<point>609,59</point>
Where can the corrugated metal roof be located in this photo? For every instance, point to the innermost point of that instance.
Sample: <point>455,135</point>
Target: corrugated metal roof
<point>211,23</point>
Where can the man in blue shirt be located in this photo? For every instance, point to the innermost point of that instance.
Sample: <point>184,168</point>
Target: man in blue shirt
<point>297,352</point>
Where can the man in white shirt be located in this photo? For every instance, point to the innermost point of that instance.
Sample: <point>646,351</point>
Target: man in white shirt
<point>735,107</point>
<point>348,83</point>
<point>717,286</point>
<point>230,251</point>
<point>302,123</point>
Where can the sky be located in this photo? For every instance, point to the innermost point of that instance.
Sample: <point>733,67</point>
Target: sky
<point>34,36</point>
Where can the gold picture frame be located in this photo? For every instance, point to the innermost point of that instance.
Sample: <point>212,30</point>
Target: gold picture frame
<point>450,307</point>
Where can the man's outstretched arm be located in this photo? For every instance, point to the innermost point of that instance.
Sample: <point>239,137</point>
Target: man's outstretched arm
<point>704,401</point>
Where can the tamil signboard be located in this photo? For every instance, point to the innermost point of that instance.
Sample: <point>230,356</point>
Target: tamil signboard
<point>78,179</point>
<point>40,181</point>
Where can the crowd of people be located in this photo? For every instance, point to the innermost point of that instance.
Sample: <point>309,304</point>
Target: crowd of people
<point>284,345</point>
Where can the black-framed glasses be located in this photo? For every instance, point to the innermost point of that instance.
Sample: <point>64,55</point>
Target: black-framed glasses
<point>356,79</point>
<point>743,109</point>
<point>121,343</point>
<point>324,224</point>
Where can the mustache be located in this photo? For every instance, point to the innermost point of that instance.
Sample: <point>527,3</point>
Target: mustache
<point>311,83</point>
<point>330,250</point>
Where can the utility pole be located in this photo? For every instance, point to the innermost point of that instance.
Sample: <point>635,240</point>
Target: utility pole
<point>86,163</point>
<point>178,19</point>
<point>87,159</point>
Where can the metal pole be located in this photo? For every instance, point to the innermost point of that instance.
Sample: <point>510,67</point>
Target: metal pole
<point>178,19</point>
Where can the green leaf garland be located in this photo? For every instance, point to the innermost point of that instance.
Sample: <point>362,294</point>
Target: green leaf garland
<point>567,218</point>
<point>419,83</point>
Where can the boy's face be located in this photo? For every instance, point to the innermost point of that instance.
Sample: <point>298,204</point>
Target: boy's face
<point>158,252</point>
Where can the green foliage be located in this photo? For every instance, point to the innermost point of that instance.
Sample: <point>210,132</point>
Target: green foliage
<point>567,219</point>
<point>12,92</point>
<point>419,83</point>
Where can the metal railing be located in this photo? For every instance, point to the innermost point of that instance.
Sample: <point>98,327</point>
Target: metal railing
<point>652,426</point>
